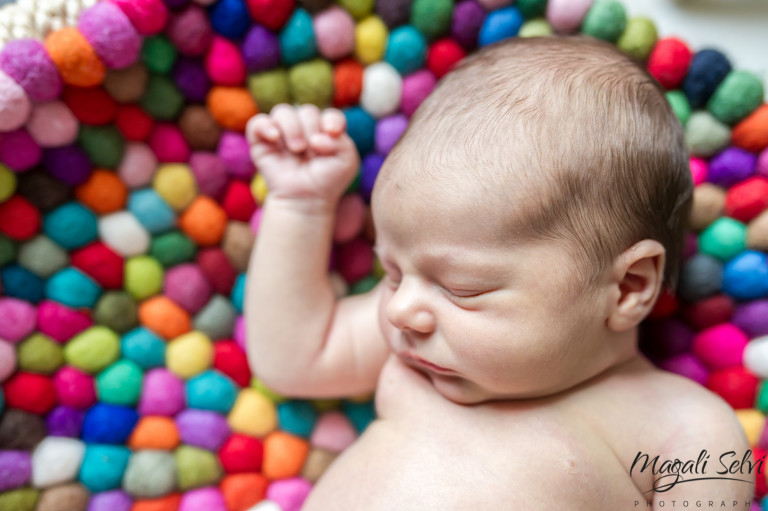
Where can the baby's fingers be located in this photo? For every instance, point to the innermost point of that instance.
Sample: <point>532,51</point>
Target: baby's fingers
<point>261,126</point>
<point>324,144</point>
<point>333,122</point>
<point>288,122</point>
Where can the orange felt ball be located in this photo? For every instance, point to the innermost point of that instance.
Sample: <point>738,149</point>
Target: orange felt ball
<point>231,107</point>
<point>167,503</point>
<point>161,315</point>
<point>284,455</point>
<point>152,432</point>
<point>204,221</point>
<point>242,491</point>
<point>752,133</point>
<point>75,58</point>
<point>104,192</point>
<point>347,83</point>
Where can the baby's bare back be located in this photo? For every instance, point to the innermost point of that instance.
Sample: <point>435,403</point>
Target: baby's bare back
<point>425,452</point>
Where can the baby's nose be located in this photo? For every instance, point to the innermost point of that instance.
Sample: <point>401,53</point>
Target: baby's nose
<point>408,308</point>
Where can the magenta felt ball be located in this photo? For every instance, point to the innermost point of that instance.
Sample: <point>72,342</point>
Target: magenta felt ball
<point>17,319</point>
<point>234,151</point>
<point>239,332</point>
<point>566,15</point>
<point>334,32</point>
<point>15,106</point>
<point>163,394</point>
<point>111,34</point>
<point>289,493</point>
<point>224,63</point>
<point>74,388</point>
<point>721,346</point>
<point>350,218</point>
<point>147,16</point>
<point>256,221</point>
<point>28,63</point>
<point>699,170</point>
<point>355,260</point>
<point>210,173</point>
<point>59,322</point>
<point>186,285</point>
<point>761,168</point>
<point>52,124</point>
<point>686,365</point>
<point>416,87</point>
<point>168,143</point>
<point>190,31</point>
<point>19,151</point>
<point>209,499</point>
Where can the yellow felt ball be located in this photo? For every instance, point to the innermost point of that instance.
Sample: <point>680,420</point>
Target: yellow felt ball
<point>175,183</point>
<point>753,422</point>
<point>253,414</point>
<point>7,183</point>
<point>259,188</point>
<point>189,354</point>
<point>370,40</point>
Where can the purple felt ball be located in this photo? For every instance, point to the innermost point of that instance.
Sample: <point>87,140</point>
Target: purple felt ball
<point>115,500</point>
<point>190,78</point>
<point>28,63</point>
<point>69,164</point>
<point>210,173</point>
<point>19,151</point>
<point>370,169</point>
<point>686,365</point>
<point>261,49</point>
<point>111,34</point>
<point>201,428</point>
<point>388,131</point>
<point>163,393</point>
<point>731,166</point>
<point>65,421</point>
<point>234,151</point>
<point>190,31</point>
<point>752,318</point>
<point>468,17</point>
<point>15,469</point>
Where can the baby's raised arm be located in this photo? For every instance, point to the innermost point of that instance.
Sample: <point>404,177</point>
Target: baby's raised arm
<point>301,341</point>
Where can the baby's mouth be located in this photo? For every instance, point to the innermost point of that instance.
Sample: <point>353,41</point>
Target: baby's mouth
<point>420,362</point>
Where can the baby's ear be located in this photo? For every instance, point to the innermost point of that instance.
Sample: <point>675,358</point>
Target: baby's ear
<point>638,273</point>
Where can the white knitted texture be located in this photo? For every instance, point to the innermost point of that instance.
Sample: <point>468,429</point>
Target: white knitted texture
<point>37,18</point>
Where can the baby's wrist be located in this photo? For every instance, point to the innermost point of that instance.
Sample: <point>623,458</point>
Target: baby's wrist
<point>305,204</point>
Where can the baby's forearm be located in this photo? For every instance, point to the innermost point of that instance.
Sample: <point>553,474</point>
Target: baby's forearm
<point>289,299</point>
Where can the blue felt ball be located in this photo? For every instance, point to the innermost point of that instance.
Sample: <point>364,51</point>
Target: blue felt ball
<point>359,414</point>
<point>109,424</point>
<point>708,68</point>
<point>71,225</point>
<point>212,391</point>
<point>144,348</point>
<point>406,49</point>
<point>361,127</point>
<point>2,400</point>
<point>72,287</point>
<point>19,282</point>
<point>369,171</point>
<point>500,24</point>
<point>297,417</point>
<point>745,277</point>
<point>238,293</point>
<point>297,39</point>
<point>701,276</point>
<point>103,467</point>
<point>230,18</point>
<point>151,211</point>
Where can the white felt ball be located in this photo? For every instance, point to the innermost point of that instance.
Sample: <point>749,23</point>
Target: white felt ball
<point>138,165</point>
<point>756,356</point>
<point>266,505</point>
<point>56,460</point>
<point>382,88</point>
<point>124,234</point>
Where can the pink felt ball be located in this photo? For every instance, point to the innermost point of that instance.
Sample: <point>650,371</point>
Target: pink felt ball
<point>289,493</point>
<point>59,322</point>
<point>190,31</point>
<point>686,365</point>
<point>388,131</point>
<point>17,319</point>
<point>138,165</point>
<point>234,151</point>
<point>239,332</point>
<point>52,124</point>
<point>28,63</point>
<point>147,16</point>
<point>566,15</point>
<point>224,63</point>
<point>699,170</point>
<point>168,143</point>
<point>210,173</point>
<point>334,32</point>
<point>111,34</point>
<point>7,360</point>
<point>355,260</point>
<point>721,346</point>
<point>15,106</point>
<point>18,150</point>
<point>74,388</point>
<point>416,87</point>
<point>350,218</point>
<point>209,499</point>
<point>762,164</point>
<point>256,220</point>
<point>186,285</point>
<point>333,432</point>
<point>162,394</point>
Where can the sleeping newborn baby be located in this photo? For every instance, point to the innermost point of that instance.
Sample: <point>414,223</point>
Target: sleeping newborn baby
<point>527,221</point>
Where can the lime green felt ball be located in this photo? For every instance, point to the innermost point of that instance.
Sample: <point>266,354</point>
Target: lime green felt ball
<point>724,239</point>
<point>40,354</point>
<point>7,183</point>
<point>605,20</point>
<point>358,9</point>
<point>638,38</point>
<point>22,499</point>
<point>269,393</point>
<point>312,82</point>
<point>143,277</point>
<point>196,467</point>
<point>93,349</point>
<point>537,27</point>
<point>736,97</point>
<point>269,88</point>
<point>680,105</point>
<point>120,383</point>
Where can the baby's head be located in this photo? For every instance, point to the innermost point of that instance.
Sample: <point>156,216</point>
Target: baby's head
<point>554,142</point>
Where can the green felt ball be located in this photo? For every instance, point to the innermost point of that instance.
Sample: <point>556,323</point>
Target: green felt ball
<point>269,88</point>
<point>159,54</point>
<point>680,105</point>
<point>605,20</point>
<point>92,350</point>
<point>311,82</point>
<point>217,318</point>
<point>143,277</point>
<point>40,354</point>
<point>363,285</point>
<point>7,250</point>
<point>736,97</point>
<point>116,310</point>
<point>359,9</point>
<point>196,467</point>
<point>7,183</point>
<point>532,8</point>
<point>705,135</point>
<point>536,27</point>
<point>120,383</point>
<point>724,239</point>
<point>162,99</point>
<point>104,145</point>
<point>172,248</point>
<point>431,17</point>
<point>22,499</point>
<point>42,256</point>
<point>761,403</point>
<point>638,38</point>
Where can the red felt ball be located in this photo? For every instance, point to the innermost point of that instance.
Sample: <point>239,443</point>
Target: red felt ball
<point>443,55</point>
<point>760,471</point>
<point>271,13</point>
<point>736,385</point>
<point>709,312</point>
<point>101,263</point>
<point>91,105</point>
<point>745,200</point>
<point>33,393</point>
<point>238,201</point>
<point>19,219</point>
<point>231,360</point>
<point>665,306</point>
<point>241,453</point>
<point>347,83</point>
<point>669,61</point>
<point>133,122</point>
<point>216,267</point>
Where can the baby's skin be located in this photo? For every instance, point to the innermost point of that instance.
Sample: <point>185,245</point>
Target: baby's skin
<point>497,385</point>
